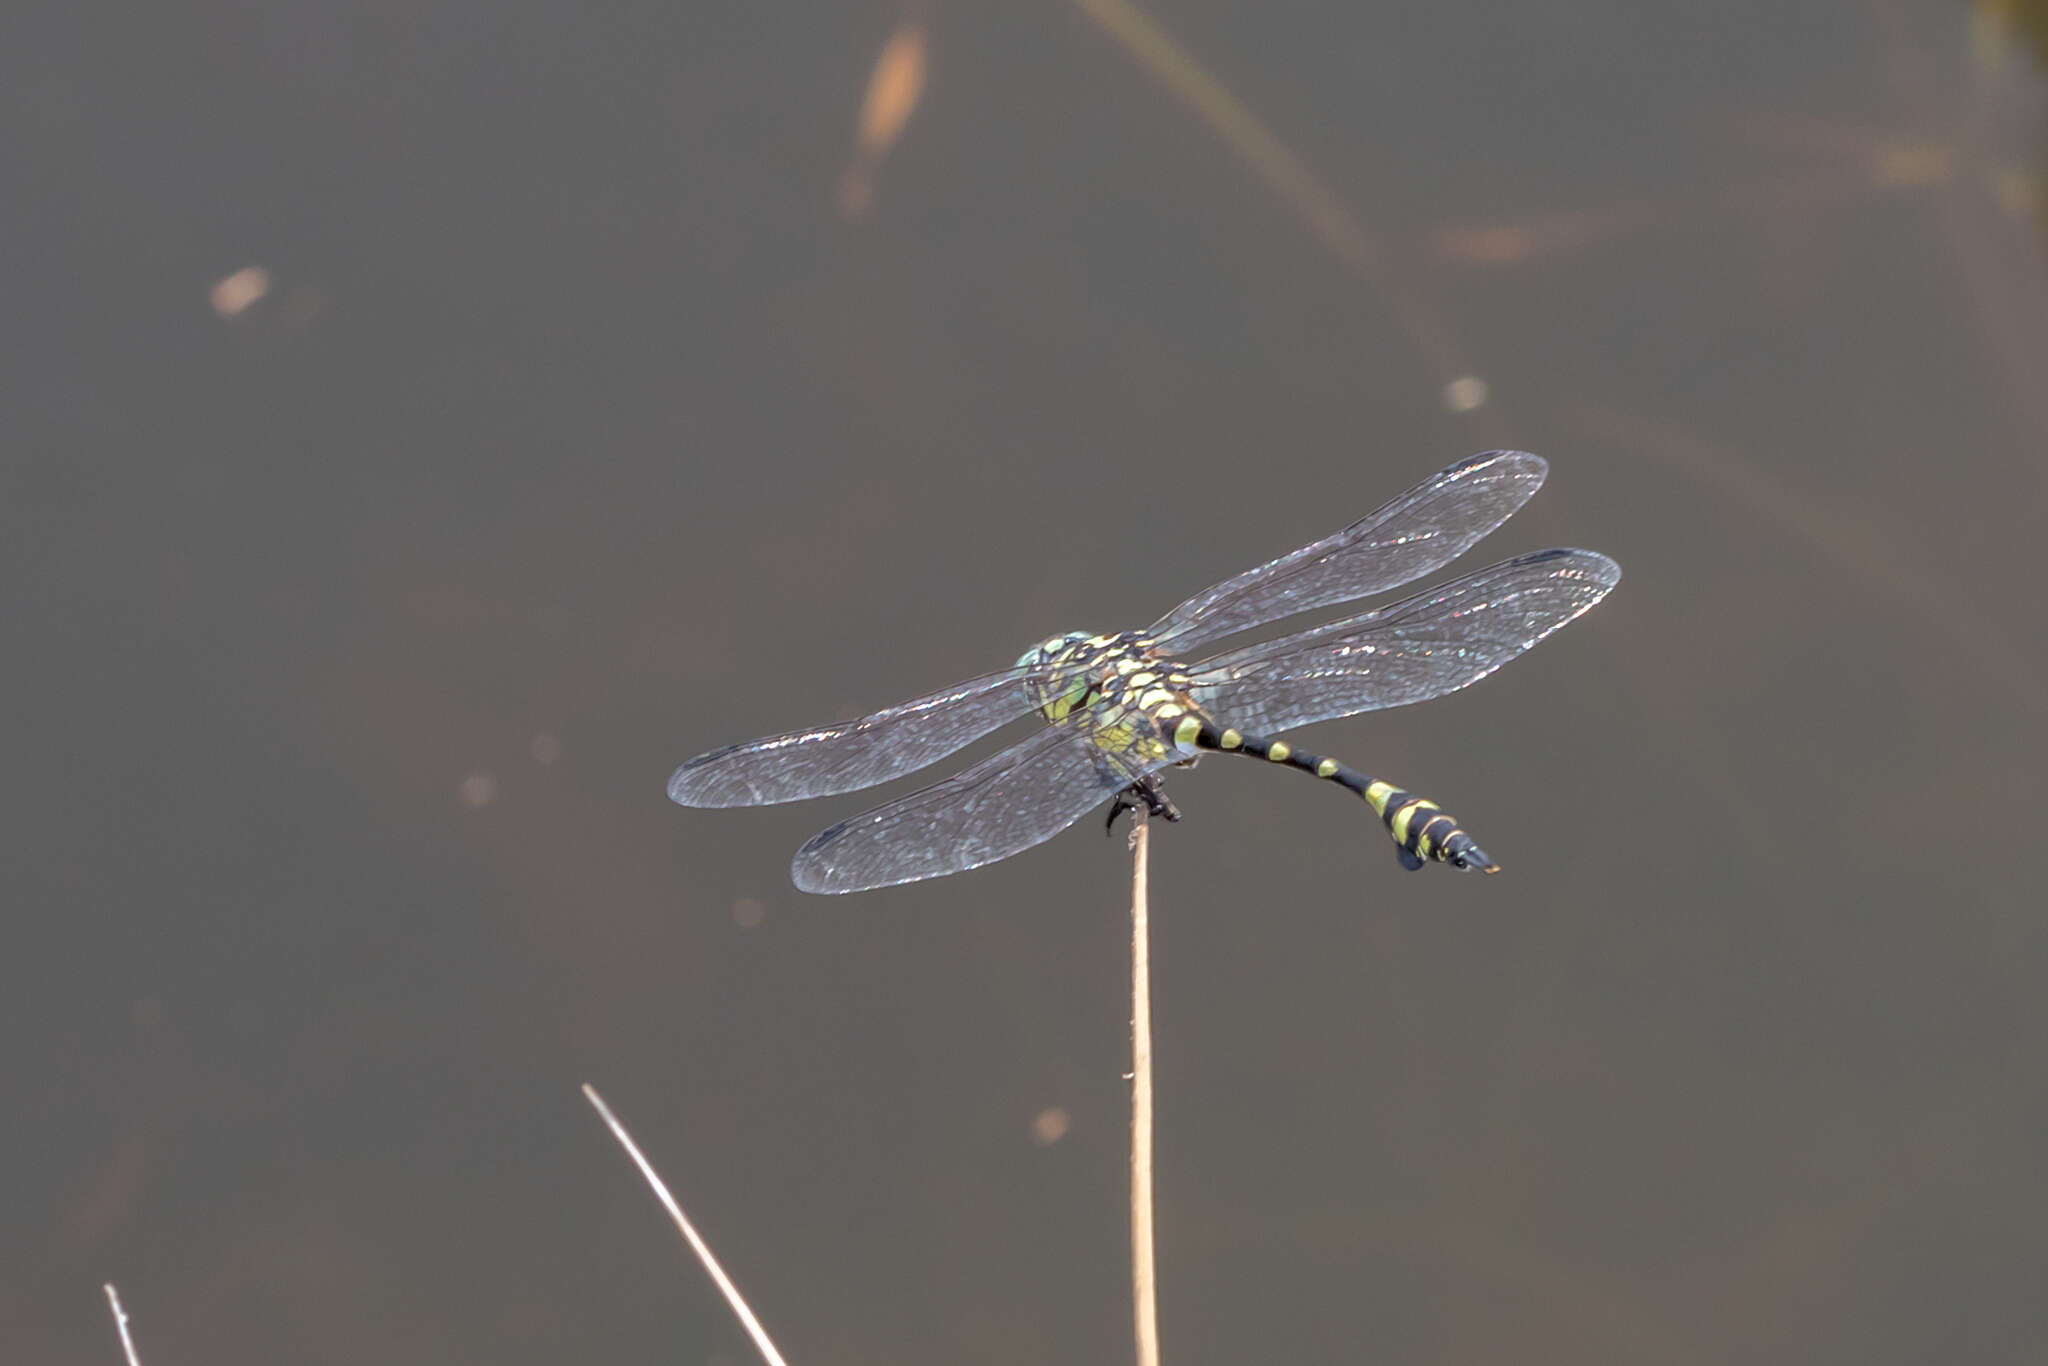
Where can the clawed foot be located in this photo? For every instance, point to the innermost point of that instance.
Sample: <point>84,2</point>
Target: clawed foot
<point>1145,792</point>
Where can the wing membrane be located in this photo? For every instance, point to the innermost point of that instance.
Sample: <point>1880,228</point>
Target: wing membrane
<point>1421,531</point>
<point>852,754</point>
<point>1019,797</point>
<point>1422,647</point>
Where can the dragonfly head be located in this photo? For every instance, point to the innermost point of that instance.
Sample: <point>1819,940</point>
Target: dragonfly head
<point>1058,691</point>
<point>1050,649</point>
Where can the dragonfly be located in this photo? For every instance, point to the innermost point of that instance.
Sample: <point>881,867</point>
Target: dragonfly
<point>1119,709</point>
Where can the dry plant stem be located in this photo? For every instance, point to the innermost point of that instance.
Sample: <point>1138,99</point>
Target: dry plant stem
<point>1144,1300</point>
<point>697,1244</point>
<point>121,1322</point>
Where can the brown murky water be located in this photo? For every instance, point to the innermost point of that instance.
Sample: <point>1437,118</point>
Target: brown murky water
<point>429,424</point>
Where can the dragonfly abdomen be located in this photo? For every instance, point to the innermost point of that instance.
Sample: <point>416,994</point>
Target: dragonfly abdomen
<point>1422,830</point>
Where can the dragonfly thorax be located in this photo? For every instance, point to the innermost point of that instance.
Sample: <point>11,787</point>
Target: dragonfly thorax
<point>1106,679</point>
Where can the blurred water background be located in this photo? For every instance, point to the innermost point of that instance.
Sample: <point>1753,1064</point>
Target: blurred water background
<point>427,423</point>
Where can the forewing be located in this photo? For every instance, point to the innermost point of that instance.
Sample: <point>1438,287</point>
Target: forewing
<point>1422,647</point>
<point>1019,797</point>
<point>1419,532</point>
<point>851,754</point>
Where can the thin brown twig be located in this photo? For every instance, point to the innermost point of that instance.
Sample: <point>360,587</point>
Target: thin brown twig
<point>689,1231</point>
<point>1144,1299</point>
<point>121,1322</point>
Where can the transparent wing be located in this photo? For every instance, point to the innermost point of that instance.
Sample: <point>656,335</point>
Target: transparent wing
<point>1419,532</point>
<point>851,754</point>
<point>1008,802</point>
<point>1422,647</point>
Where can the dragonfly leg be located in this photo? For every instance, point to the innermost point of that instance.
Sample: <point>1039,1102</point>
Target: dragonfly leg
<point>1146,792</point>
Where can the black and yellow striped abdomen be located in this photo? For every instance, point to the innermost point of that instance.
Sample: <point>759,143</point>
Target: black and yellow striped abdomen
<point>1422,831</point>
